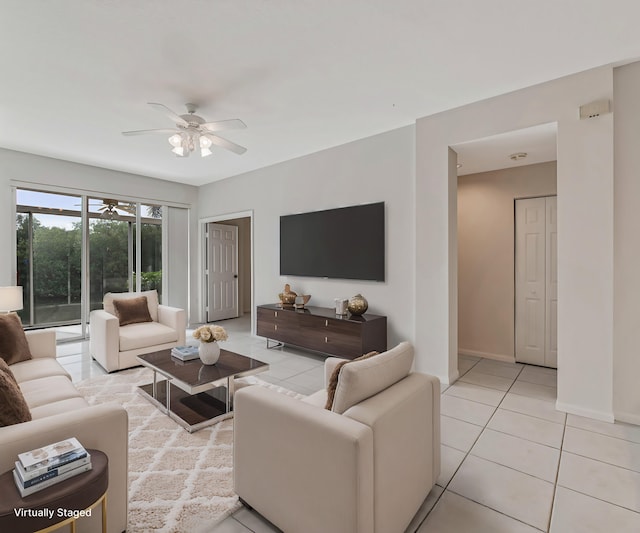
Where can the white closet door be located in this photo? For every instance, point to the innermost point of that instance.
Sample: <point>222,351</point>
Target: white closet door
<point>530,280</point>
<point>551,329</point>
<point>537,281</point>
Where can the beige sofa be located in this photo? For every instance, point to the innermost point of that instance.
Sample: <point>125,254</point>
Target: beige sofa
<point>116,347</point>
<point>365,466</point>
<point>58,412</point>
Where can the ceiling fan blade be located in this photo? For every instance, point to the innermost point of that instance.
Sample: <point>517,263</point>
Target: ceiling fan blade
<point>143,132</point>
<point>232,124</point>
<point>224,143</point>
<point>172,115</point>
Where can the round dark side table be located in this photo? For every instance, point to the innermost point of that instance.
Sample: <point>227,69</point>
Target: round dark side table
<point>79,493</point>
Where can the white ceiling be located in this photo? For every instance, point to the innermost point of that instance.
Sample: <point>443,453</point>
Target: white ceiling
<point>493,153</point>
<point>303,75</point>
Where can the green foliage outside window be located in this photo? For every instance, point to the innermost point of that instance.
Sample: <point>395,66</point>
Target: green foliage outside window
<point>57,261</point>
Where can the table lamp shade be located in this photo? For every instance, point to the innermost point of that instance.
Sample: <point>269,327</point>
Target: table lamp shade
<point>10,298</point>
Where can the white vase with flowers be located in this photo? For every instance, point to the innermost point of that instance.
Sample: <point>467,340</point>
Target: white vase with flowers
<point>209,349</point>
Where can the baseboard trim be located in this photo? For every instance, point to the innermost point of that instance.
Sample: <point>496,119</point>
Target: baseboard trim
<point>605,416</point>
<point>495,356</point>
<point>629,418</point>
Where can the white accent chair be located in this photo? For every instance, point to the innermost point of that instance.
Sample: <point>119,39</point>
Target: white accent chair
<point>366,466</point>
<point>115,347</point>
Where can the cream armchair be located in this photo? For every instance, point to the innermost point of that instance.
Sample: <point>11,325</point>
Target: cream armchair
<point>115,347</point>
<point>364,466</point>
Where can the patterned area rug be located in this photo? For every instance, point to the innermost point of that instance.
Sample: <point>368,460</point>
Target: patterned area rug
<point>179,482</point>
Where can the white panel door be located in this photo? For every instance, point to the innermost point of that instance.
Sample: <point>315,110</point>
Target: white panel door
<point>537,281</point>
<point>222,272</point>
<point>530,280</point>
<point>551,327</point>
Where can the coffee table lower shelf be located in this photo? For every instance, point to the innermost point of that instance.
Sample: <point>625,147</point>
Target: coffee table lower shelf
<point>193,412</point>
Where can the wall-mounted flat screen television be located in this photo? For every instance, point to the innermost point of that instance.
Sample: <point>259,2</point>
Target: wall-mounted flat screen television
<point>343,243</point>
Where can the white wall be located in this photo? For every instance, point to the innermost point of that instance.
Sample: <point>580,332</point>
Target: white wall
<point>27,170</point>
<point>626,364</point>
<point>486,249</point>
<point>585,230</point>
<point>379,168</point>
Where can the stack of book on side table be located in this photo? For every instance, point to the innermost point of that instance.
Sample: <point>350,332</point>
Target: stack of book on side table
<point>46,466</point>
<point>185,353</point>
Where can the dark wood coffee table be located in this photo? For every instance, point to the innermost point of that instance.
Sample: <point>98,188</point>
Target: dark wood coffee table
<point>193,394</point>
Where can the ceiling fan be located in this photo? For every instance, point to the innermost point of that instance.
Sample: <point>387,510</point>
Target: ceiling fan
<point>110,208</point>
<point>192,132</point>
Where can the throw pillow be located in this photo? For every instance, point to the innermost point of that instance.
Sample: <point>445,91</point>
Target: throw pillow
<point>152,301</point>
<point>13,407</point>
<point>4,367</point>
<point>363,379</point>
<point>333,380</point>
<point>13,342</point>
<point>132,310</point>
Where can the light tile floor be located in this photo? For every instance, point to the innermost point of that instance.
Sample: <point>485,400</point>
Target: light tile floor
<point>510,462</point>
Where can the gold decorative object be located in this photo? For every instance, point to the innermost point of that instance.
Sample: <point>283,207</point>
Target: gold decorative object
<point>358,305</point>
<point>302,300</point>
<point>288,297</point>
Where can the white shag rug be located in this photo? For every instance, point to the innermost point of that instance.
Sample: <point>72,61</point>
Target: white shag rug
<point>179,482</point>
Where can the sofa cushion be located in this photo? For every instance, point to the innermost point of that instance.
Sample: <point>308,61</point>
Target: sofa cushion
<point>43,391</point>
<point>13,407</point>
<point>13,342</point>
<point>152,301</point>
<point>132,310</point>
<point>360,380</point>
<point>56,408</point>
<point>38,368</point>
<point>135,336</point>
<point>318,398</point>
<point>333,379</point>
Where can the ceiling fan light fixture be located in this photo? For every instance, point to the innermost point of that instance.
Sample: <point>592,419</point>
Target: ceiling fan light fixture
<point>175,140</point>
<point>192,132</point>
<point>205,145</point>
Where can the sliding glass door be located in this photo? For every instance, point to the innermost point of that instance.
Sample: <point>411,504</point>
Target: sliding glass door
<point>49,258</point>
<point>52,241</point>
<point>151,248</point>
<point>111,262</point>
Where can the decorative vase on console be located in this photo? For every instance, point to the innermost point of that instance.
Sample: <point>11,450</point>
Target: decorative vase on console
<point>287,297</point>
<point>209,349</point>
<point>358,305</point>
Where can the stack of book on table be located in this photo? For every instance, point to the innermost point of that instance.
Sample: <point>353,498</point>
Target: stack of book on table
<point>185,353</point>
<point>46,466</point>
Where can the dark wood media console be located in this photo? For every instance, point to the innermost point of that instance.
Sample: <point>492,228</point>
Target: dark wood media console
<point>320,329</point>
